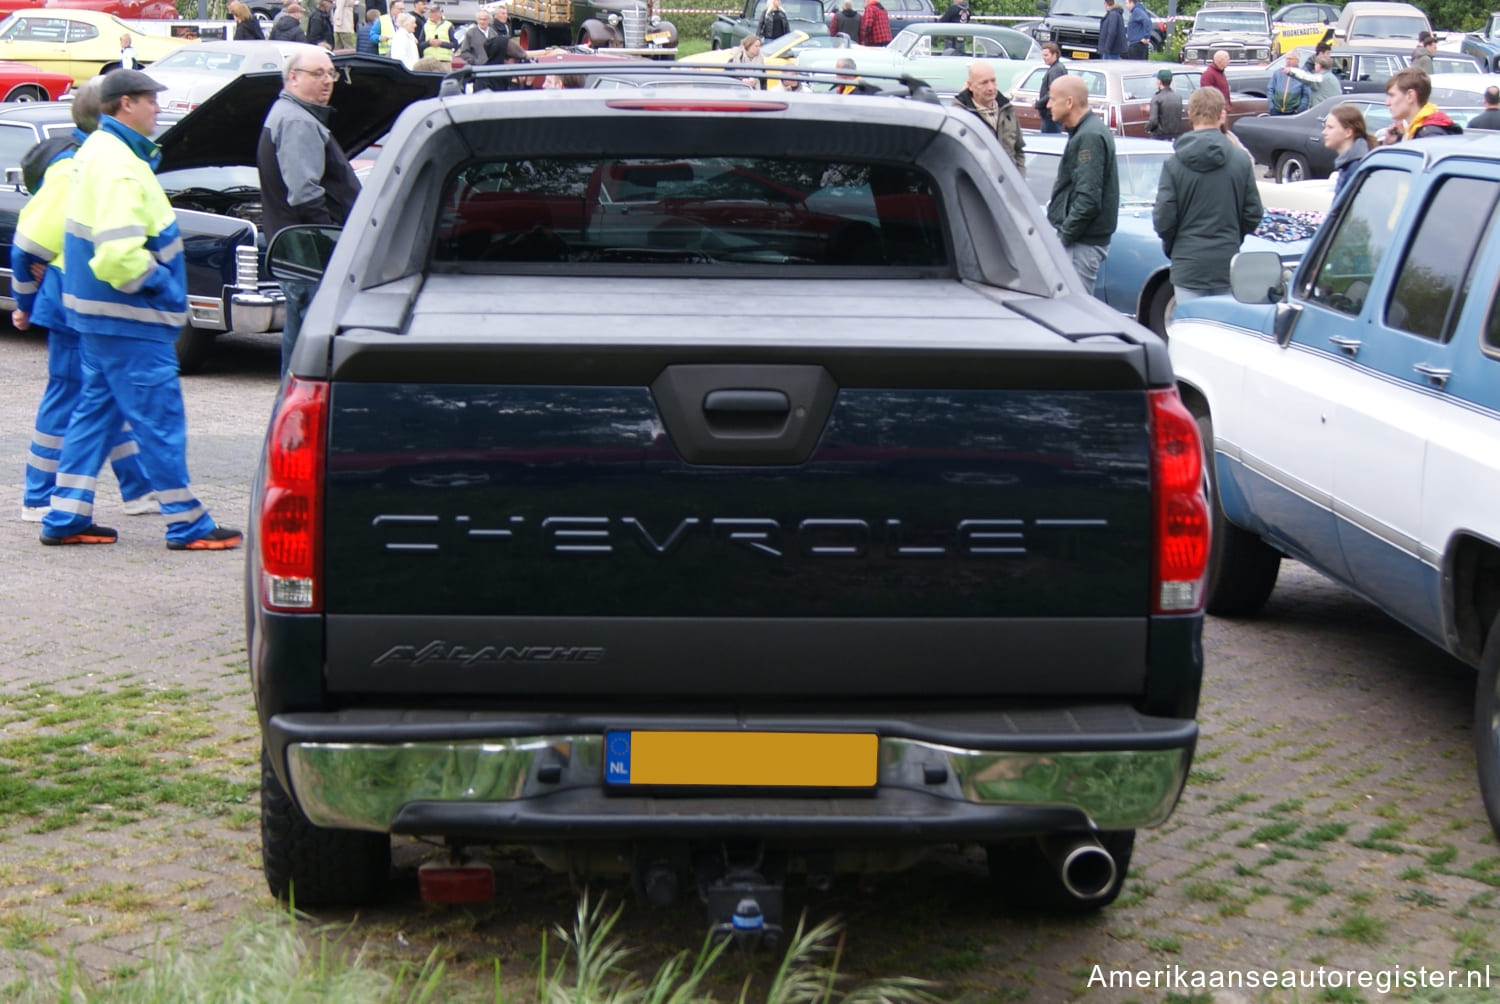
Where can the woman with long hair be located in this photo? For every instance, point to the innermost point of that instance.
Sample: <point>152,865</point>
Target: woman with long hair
<point>1344,133</point>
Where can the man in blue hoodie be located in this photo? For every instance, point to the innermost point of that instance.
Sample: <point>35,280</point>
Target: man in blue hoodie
<point>1206,203</point>
<point>1137,30</point>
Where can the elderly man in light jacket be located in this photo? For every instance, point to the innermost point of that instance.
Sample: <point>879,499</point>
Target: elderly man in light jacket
<point>471,48</point>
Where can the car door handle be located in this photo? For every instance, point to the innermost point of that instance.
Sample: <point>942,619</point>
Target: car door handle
<point>1348,346</point>
<point>1437,376</point>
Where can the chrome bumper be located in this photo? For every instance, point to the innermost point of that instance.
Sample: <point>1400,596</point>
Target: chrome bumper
<point>250,311</point>
<point>364,786</point>
<point>257,310</point>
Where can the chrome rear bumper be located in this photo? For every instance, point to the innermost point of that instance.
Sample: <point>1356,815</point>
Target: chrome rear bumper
<point>513,783</point>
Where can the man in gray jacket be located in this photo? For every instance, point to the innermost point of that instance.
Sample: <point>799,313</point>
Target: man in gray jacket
<point>304,175</point>
<point>471,49</point>
<point>1207,202</point>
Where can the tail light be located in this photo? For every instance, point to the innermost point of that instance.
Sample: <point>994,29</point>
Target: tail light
<point>1179,507</point>
<point>290,528</point>
<point>1113,121</point>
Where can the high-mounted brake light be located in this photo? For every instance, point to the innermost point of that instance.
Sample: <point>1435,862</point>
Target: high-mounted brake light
<point>290,531</point>
<point>1179,507</point>
<point>690,105</point>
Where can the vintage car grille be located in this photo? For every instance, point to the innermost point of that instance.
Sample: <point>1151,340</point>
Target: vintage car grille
<point>1237,53</point>
<point>1076,39</point>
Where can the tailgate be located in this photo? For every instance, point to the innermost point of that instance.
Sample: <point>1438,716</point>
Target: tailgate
<point>791,516</point>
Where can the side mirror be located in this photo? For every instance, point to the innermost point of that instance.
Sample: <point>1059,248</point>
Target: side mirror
<point>301,253</point>
<point>15,176</point>
<point>1041,5</point>
<point>1257,277</point>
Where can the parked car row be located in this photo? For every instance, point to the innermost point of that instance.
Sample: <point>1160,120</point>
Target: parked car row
<point>940,54</point>
<point>1292,145</point>
<point>1363,67</point>
<point>80,43</point>
<point>1120,93</point>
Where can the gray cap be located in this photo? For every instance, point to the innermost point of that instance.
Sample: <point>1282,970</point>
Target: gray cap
<point>118,83</point>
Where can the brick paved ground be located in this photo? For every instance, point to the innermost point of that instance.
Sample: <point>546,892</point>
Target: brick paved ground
<point>1332,818</point>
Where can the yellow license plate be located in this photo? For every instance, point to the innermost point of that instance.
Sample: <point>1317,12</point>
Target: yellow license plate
<point>658,36</point>
<point>1081,55</point>
<point>742,759</point>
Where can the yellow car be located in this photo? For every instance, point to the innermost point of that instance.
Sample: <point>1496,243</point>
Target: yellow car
<point>80,43</point>
<point>781,51</point>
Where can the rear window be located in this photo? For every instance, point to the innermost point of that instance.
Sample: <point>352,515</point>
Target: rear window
<point>690,211</point>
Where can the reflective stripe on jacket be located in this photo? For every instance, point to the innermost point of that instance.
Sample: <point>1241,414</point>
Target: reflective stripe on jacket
<point>39,240</point>
<point>128,276</point>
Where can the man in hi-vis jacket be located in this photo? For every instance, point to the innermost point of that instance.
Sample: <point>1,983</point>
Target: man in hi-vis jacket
<point>125,293</point>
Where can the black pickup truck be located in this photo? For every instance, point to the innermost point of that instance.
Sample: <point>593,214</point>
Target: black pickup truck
<point>715,485</point>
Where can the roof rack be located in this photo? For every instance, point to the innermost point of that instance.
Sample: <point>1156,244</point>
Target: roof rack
<point>505,76</point>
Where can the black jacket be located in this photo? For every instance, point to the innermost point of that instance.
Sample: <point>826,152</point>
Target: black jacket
<point>287,29</point>
<point>773,24</point>
<point>1112,32</point>
<point>249,30</point>
<point>846,22</point>
<point>319,28</point>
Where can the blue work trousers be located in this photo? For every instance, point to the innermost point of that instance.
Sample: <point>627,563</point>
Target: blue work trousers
<point>64,386</point>
<point>127,380</point>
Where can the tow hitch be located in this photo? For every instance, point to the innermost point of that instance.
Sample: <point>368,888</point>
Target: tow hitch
<point>744,896</point>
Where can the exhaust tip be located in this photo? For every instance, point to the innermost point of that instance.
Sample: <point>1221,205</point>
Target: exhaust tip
<point>1087,871</point>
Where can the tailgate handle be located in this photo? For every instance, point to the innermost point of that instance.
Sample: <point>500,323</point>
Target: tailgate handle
<point>750,414</point>
<point>746,412</point>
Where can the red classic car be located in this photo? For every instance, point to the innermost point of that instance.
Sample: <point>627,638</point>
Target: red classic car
<point>129,10</point>
<point>24,82</point>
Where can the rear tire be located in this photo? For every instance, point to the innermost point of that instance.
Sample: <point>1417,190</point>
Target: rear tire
<point>313,866</point>
<point>1159,311</point>
<point>1242,568</point>
<point>194,346</point>
<point>1291,167</point>
<point>1026,879</point>
<point>27,92</point>
<point>1487,725</point>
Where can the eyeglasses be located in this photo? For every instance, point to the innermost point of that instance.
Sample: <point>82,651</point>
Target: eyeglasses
<point>321,74</point>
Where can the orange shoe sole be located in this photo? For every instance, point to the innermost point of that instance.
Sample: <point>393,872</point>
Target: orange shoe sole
<point>211,543</point>
<point>93,535</point>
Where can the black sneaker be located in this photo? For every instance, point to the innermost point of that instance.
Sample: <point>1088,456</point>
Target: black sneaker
<point>218,539</point>
<point>91,534</point>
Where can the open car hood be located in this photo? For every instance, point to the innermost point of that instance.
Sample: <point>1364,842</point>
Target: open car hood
<point>225,130</point>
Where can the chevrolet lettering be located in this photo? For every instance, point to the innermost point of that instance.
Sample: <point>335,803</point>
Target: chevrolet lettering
<point>808,538</point>
<point>786,504</point>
